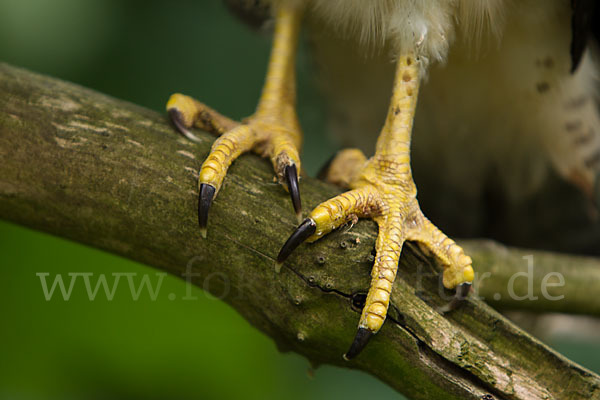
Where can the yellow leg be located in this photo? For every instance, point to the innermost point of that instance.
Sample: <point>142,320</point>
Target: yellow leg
<point>272,131</point>
<point>384,190</point>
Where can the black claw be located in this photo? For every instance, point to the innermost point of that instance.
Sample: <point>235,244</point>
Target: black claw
<point>363,335</point>
<point>205,198</point>
<point>291,177</point>
<point>177,120</point>
<point>303,232</point>
<point>460,295</point>
<point>462,291</point>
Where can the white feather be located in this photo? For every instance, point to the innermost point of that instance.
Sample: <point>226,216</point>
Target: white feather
<point>481,18</point>
<point>425,26</point>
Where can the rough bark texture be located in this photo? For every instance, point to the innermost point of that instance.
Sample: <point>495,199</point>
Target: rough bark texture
<point>115,176</point>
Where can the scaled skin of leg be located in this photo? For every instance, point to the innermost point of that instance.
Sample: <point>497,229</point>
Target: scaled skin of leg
<point>273,131</point>
<point>383,189</point>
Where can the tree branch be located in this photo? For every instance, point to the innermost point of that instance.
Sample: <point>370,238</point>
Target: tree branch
<point>115,176</point>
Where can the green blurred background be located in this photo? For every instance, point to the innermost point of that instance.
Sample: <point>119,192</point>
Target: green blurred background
<point>143,51</point>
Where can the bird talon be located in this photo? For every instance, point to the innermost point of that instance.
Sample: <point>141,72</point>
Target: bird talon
<point>462,291</point>
<point>291,177</point>
<point>177,120</point>
<point>205,198</point>
<point>362,337</point>
<point>303,232</point>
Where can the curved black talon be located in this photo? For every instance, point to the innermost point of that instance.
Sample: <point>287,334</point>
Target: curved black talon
<point>303,232</point>
<point>460,295</point>
<point>205,198</point>
<point>291,177</point>
<point>363,335</point>
<point>177,120</point>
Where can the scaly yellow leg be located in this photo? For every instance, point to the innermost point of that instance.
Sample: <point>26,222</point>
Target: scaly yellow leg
<point>383,189</point>
<point>272,131</point>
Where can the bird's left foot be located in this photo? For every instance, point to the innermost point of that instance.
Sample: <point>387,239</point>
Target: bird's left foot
<point>383,189</point>
<point>384,192</point>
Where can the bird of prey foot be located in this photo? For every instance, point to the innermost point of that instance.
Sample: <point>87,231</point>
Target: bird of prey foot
<point>273,131</point>
<point>383,190</point>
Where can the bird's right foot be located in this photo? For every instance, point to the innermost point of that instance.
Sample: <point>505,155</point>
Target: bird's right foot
<point>272,131</point>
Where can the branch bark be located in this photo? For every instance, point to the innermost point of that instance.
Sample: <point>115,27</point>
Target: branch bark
<point>113,175</point>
